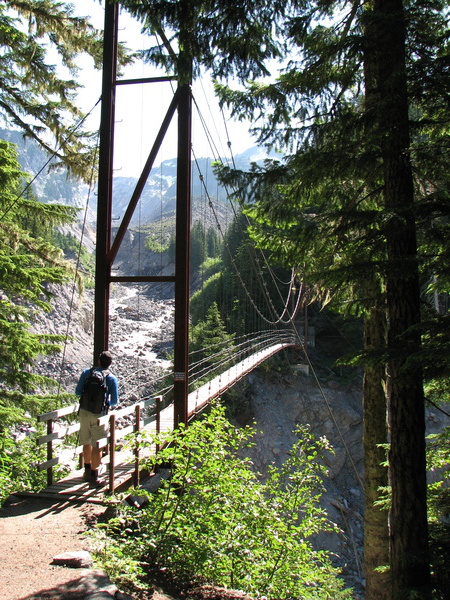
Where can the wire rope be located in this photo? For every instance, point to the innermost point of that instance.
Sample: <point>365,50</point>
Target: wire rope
<point>52,156</point>
<point>258,272</point>
<point>77,264</point>
<point>237,272</point>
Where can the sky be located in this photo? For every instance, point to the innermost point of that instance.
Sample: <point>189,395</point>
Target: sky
<point>140,109</point>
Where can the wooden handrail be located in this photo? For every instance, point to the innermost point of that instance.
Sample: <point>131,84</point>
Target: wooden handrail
<point>110,441</point>
<point>56,414</point>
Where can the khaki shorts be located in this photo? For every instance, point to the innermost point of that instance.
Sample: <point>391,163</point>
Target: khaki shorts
<point>90,431</point>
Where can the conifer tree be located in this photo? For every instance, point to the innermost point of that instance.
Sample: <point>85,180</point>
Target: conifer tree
<point>198,245</point>
<point>29,265</point>
<point>35,96</point>
<point>345,209</point>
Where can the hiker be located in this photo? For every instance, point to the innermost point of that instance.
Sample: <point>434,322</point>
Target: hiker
<point>98,391</point>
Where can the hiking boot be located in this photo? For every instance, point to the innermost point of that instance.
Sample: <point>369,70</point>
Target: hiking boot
<point>93,481</point>
<point>87,473</point>
<point>95,484</point>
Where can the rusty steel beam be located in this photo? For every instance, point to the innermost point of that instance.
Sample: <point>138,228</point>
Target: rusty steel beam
<point>182,254</point>
<point>105,177</point>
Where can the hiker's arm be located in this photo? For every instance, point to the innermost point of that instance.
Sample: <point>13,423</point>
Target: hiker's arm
<point>81,382</point>
<point>113,389</point>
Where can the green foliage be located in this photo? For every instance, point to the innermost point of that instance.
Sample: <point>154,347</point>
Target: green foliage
<point>18,471</point>
<point>198,245</point>
<point>438,458</point>
<point>76,253</point>
<point>210,345</point>
<point>29,262</point>
<point>213,243</point>
<point>205,247</point>
<point>202,299</point>
<point>160,236</point>
<point>18,463</point>
<point>214,519</point>
<point>35,98</point>
<point>227,39</point>
<point>155,246</point>
<point>211,266</point>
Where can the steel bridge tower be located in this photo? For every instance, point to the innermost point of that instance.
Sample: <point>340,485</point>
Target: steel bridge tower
<point>106,248</point>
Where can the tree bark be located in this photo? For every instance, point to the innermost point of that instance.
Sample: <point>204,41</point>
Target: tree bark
<point>376,531</point>
<point>409,556</point>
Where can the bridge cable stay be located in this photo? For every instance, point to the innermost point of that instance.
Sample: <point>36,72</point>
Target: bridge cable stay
<point>78,260</point>
<point>280,319</point>
<point>239,276</point>
<point>76,126</point>
<point>268,266</point>
<point>270,270</point>
<point>243,284</point>
<point>322,392</point>
<point>139,381</point>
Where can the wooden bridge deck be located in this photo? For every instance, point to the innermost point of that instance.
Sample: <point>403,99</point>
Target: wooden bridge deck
<point>73,488</point>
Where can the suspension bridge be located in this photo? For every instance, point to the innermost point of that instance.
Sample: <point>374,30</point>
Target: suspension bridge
<point>153,414</point>
<point>194,383</point>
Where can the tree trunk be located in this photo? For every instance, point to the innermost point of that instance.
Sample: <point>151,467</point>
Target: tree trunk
<point>376,531</point>
<point>409,556</point>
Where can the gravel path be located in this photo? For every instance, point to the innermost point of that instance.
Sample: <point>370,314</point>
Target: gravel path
<point>32,532</point>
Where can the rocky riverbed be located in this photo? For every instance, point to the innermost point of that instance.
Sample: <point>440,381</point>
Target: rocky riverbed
<point>141,338</point>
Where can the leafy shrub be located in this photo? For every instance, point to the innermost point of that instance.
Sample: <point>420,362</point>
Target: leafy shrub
<point>438,458</point>
<point>18,466</point>
<point>215,520</point>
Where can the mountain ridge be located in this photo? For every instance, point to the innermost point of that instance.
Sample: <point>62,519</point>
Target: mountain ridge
<point>55,185</point>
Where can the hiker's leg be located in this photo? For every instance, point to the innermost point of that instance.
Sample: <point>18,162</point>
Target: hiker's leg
<point>87,454</point>
<point>85,434</point>
<point>98,432</point>
<point>96,458</point>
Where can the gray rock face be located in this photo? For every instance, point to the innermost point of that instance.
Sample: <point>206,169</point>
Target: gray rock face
<point>277,404</point>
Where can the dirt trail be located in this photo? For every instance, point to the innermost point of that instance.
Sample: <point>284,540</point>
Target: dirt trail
<point>32,532</point>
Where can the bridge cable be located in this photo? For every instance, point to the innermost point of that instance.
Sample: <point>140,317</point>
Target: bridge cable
<point>77,264</point>
<point>236,270</point>
<point>312,369</point>
<point>52,156</point>
<point>258,273</point>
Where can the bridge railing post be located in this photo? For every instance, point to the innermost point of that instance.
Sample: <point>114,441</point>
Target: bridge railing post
<point>50,452</point>
<point>112,447</point>
<point>137,427</point>
<point>158,422</point>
